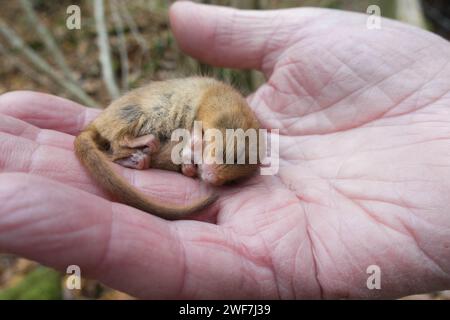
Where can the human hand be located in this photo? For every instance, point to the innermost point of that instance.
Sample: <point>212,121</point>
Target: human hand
<point>364,165</point>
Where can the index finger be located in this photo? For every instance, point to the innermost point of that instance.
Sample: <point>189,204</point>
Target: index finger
<point>47,111</point>
<point>245,39</point>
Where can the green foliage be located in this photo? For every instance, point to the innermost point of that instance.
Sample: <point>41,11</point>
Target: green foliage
<point>41,284</point>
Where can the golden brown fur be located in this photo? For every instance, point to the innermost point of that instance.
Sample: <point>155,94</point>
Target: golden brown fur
<point>157,109</point>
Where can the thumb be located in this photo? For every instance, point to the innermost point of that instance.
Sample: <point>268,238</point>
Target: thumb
<point>234,38</point>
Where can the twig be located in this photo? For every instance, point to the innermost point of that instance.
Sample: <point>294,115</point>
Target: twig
<point>118,23</point>
<point>105,52</point>
<point>133,27</point>
<point>17,43</point>
<point>23,67</point>
<point>410,11</point>
<point>48,40</point>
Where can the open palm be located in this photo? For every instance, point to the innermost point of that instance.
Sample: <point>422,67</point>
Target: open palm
<point>364,170</point>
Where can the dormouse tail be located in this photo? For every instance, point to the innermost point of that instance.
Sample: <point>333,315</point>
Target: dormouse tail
<point>100,168</point>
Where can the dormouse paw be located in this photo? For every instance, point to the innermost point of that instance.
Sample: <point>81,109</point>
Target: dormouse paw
<point>138,160</point>
<point>149,143</point>
<point>189,170</point>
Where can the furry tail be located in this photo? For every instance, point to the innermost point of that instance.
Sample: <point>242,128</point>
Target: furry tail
<point>99,167</point>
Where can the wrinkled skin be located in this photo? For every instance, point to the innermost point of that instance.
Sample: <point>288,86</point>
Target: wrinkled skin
<point>364,175</point>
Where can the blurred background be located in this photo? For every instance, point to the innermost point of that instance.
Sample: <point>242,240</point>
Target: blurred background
<point>38,52</point>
